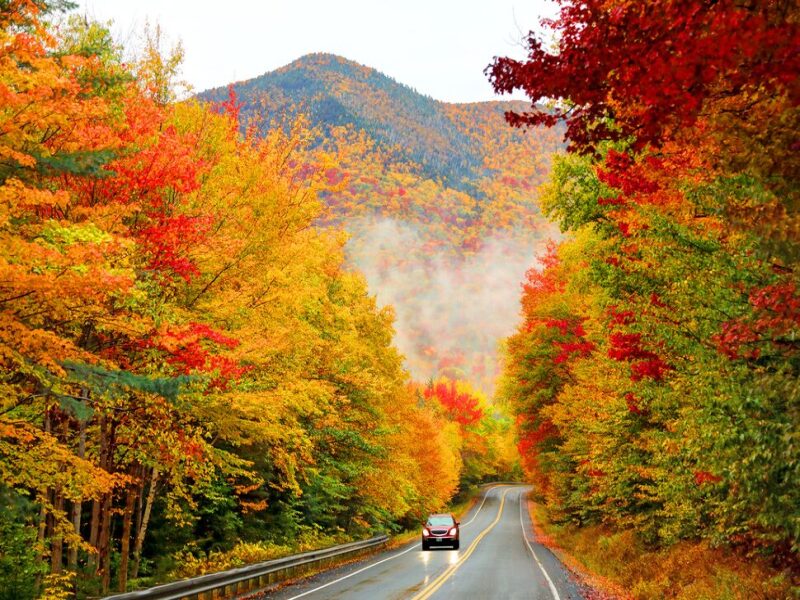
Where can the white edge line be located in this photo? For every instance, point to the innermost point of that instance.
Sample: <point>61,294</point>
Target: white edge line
<point>553,589</point>
<point>485,496</point>
<point>354,573</point>
<point>306,593</point>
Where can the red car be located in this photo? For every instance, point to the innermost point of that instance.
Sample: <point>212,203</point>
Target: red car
<point>440,530</point>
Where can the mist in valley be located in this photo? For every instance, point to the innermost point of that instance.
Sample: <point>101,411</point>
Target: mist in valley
<point>452,307</point>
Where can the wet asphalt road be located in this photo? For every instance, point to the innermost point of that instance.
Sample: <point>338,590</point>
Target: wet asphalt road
<point>498,558</point>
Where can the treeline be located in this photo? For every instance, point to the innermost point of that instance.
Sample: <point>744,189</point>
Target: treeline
<point>186,361</point>
<point>655,374</point>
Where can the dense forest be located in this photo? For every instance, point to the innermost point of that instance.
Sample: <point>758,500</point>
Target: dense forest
<point>192,376</point>
<point>655,373</point>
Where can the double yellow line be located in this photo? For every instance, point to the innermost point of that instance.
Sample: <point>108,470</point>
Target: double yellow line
<point>439,581</point>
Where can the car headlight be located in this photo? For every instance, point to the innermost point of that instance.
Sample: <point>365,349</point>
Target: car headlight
<point>425,532</point>
<point>453,531</point>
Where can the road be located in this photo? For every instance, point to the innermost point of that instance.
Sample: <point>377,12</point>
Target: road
<point>498,559</point>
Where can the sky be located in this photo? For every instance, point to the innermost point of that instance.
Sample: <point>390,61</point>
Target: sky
<point>438,47</point>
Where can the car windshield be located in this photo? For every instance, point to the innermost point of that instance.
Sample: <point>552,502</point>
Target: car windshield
<point>443,520</point>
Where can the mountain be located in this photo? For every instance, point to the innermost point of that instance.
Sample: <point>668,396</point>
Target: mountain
<point>447,141</point>
<point>439,200</point>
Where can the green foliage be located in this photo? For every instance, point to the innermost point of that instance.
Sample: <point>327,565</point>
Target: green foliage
<point>570,196</point>
<point>115,383</point>
<point>20,567</point>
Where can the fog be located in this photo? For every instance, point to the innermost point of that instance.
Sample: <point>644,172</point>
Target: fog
<point>452,308</point>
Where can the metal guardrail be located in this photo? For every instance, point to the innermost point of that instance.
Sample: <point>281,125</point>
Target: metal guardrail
<point>229,584</point>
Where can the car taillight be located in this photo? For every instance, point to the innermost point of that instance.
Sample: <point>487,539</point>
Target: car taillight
<point>453,531</point>
<point>425,532</point>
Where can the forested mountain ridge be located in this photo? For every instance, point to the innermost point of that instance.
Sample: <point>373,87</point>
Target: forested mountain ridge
<point>443,139</point>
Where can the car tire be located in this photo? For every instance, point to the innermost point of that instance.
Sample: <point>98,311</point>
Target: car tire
<point>425,545</point>
<point>456,544</point>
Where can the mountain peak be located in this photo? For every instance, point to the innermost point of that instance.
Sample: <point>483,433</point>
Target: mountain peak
<point>333,91</point>
<point>324,59</point>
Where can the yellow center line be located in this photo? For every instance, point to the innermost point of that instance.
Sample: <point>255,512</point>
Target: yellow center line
<point>439,581</point>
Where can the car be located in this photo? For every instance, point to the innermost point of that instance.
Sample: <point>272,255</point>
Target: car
<point>440,530</point>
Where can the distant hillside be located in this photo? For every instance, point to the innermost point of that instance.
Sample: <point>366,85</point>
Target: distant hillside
<point>447,141</point>
<point>439,200</point>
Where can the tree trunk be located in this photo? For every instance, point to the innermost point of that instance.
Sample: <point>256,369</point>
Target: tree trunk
<point>77,506</point>
<point>137,550</point>
<point>57,548</point>
<point>125,546</point>
<point>42,533</point>
<point>104,537</point>
<point>139,511</point>
<point>104,543</point>
<point>94,529</point>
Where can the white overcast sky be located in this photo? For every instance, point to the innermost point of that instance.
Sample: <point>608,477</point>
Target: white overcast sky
<point>439,47</point>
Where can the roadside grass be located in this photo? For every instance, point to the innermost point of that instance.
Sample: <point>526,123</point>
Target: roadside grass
<point>620,565</point>
<point>463,507</point>
<point>195,563</point>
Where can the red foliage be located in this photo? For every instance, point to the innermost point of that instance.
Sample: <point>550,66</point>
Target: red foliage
<point>550,258</point>
<point>462,407</point>
<point>776,317</point>
<point>659,63</point>
<point>704,477</point>
<point>592,471</point>
<point>655,300</point>
<point>164,159</point>
<point>568,349</point>
<point>542,282</point>
<point>644,363</point>
<point>623,317</point>
<point>202,331</point>
<point>531,437</point>
<point>190,349</point>
<point>632,179</point>
<point>168,242</point>
<point>653,368</point>
<point>615,201</point>
<point>627,346</point>
<point>230,107</point>
<point>561,324</point>
<point>633,404</point>
<point>158,164</point>
<point>334,176</point>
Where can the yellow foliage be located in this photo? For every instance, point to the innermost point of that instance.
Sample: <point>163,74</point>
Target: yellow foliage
<point>58,586</point>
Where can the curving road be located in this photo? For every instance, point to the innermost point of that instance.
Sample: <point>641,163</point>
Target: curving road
<point>498,559</point>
